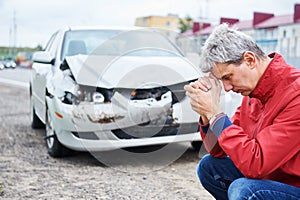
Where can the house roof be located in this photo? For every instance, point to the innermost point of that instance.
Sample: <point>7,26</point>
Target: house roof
<point>248,24</point>
<point>241,25</point>
<point>244,25</point>
<point>207,30</point>
<point>276,21</point>
<point>260,20</point>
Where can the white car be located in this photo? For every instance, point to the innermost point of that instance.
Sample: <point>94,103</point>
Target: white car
<point>8,63</point>
<point>99,89</point>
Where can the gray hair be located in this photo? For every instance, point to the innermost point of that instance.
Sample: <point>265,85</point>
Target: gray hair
<point>227,45</point>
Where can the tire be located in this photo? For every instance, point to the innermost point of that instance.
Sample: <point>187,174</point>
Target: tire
<point>54,147</point>
<point>36,123</point>
<point>196,145</point>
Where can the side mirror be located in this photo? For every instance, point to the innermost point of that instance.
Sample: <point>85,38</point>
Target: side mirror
<point>43,57</point>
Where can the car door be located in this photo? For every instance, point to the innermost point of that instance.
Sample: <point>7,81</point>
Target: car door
<point>39,74</point>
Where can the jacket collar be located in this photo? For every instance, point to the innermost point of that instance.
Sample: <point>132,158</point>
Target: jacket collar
<point>270,79</point>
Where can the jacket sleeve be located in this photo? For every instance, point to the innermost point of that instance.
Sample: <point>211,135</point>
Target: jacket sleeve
<point>236,117</point>
<point>270,148</point>
<point>210,140</point>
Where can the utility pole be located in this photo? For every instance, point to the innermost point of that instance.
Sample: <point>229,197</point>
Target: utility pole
<point>203,15</point>
<point>10,42</point>
<point>13,36</point>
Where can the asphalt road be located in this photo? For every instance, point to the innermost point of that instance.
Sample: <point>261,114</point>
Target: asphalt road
<point>19,76</point>
<point>28,172</point>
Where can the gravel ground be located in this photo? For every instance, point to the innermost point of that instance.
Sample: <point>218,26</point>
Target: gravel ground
<point>28,172</point>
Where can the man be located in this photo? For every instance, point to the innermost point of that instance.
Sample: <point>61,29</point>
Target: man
<point>256,154</point>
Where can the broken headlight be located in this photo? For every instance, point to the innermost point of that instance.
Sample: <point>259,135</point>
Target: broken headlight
<point>88,94</point>
<point>155,93</point>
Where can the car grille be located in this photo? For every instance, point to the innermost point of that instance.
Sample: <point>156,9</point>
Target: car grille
<point>148,131</point>
<point>177,93</point>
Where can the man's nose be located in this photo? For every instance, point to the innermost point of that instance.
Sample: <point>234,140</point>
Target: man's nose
<point>227,87</point>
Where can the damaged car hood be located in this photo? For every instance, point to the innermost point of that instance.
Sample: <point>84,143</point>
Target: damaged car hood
<point>131,71</point>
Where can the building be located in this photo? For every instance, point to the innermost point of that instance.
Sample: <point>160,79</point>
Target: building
<point>271,32</point>
<point>170,22</point>
<point>167,24</point>
<point>192,40</point>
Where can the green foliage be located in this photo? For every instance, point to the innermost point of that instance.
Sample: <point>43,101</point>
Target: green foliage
<point>11,52</point>
<point>185,24</point>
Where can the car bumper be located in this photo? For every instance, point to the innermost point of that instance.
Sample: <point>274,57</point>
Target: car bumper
<point>111,126</point>
<point>74,142</point>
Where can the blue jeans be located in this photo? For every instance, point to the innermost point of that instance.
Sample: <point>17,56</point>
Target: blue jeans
<point>223,180</point>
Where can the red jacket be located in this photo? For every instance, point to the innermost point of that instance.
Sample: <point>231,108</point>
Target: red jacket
<point>263,140</point>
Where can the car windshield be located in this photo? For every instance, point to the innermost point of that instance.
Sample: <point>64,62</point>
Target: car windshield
<point>118,43</point>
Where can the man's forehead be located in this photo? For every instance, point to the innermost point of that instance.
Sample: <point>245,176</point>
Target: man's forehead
<point>220,70</point>
<point>216,72</point>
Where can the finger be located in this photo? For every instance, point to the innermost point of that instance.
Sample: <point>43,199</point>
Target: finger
<point>214,78</point>
<point>199,85</point>
<point>194,85</point>
<point>189,91</point>
<point>202,84</point>
<point>211,75</point>
<point>188,88</point>
<point>188,94</point>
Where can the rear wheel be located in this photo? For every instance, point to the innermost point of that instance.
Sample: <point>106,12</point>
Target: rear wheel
<point>36,123</point>
<point>54,147</point>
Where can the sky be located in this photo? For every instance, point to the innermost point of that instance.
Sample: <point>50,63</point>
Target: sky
<point>36,20</point>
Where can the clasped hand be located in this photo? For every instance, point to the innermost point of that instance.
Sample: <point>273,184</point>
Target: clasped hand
<point>204,96</point>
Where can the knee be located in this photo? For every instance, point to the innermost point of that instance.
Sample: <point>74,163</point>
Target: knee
<point>239,189</point>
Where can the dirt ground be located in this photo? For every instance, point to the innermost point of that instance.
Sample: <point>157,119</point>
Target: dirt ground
<point>28,172</point>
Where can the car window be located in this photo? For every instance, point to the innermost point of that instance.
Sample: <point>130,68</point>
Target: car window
<point>50,42</point>
<point>118,43</point>
<point>144,42</point>
<point>85,41</point>
<point>55,45</point>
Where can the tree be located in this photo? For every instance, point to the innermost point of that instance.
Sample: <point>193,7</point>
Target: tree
<point>39,47</point>
<point>185,24</point>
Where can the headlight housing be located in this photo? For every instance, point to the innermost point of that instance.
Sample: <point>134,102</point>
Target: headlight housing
<point>88,94</point>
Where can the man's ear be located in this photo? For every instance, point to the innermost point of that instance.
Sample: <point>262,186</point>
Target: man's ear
<point>250,59</point>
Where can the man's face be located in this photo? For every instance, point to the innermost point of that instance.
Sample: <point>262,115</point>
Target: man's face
<point>240,78</point>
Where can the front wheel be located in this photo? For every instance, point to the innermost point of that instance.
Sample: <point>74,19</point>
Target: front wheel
<point>54,147</point>
<point>196,145</point>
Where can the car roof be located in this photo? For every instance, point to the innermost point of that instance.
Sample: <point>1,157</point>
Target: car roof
<point>103,28</point>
